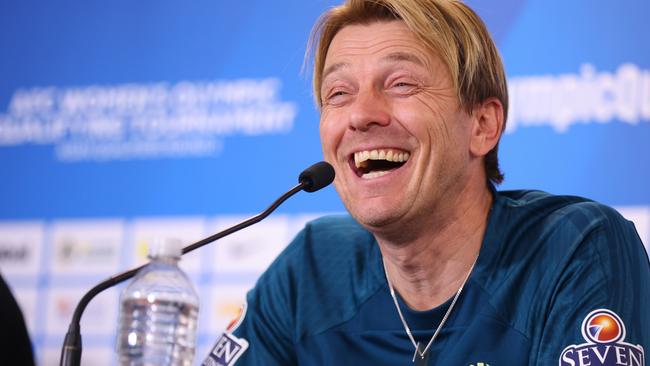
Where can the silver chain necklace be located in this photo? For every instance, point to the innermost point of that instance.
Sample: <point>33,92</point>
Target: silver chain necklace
<point>420,357</point>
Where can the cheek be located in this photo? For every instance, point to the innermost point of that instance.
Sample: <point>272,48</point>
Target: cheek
<point>329,136</point>
<point>422,120</point>
<point>447,123</point>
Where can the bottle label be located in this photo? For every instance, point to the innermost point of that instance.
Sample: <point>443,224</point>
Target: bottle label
<point>227,351</point>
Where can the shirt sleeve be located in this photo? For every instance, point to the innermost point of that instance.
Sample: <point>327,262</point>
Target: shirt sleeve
<point>264,334</point>
<point>598,310</point>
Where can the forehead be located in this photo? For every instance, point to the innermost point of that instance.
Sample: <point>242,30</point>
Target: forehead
<point>390,41</point>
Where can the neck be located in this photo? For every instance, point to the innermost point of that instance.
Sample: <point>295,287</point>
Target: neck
<point>429,266</point>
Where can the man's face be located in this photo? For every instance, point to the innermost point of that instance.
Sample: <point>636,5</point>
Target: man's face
<point>392,126</point>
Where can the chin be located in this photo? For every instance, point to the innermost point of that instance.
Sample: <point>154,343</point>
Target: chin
<point>373,219</point>
<point>375,213</point>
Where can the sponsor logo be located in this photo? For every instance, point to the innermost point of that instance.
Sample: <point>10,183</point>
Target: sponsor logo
<point>604,332</point>
<point>86,246</point>
<point>20,248</point>
<point>73,251</point>
<point>147,231</point>
<point>14,252</point>
<point>227,351</point>
<point>480,364</point>
<point>236,322</point>
<point>225,302</point>
<point>99,318</point>
<point>242,251</point>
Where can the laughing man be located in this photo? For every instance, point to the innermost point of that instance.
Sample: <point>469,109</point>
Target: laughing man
<point>434,266</point>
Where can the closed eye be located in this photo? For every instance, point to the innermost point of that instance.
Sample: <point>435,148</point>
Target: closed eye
<point>403,87</point>
<point>335,97</point>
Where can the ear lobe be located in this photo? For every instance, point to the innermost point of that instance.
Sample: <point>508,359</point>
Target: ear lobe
<point>488,125</point>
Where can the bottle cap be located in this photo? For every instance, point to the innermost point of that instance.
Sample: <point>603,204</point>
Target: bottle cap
<point>165,247</point>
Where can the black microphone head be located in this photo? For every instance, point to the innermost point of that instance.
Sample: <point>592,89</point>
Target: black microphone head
<point>317,176</point>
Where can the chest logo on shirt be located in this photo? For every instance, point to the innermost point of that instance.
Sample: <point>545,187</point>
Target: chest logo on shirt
<point>604,332</point>
<point>229,347</point>
<point>227,351</point>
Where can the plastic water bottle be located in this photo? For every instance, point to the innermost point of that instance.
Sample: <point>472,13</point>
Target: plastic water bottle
<point>158,312</point>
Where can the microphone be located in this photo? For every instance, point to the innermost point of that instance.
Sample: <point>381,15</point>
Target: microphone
<point>310,180</point>
<point>317,176</point>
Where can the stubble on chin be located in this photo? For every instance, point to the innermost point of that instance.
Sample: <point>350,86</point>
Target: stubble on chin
<point>379,221</point>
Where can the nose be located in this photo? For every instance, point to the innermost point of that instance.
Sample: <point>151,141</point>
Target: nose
<point>369,109</point>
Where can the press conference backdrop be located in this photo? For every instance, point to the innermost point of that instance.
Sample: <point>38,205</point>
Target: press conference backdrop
<point>125,121</point>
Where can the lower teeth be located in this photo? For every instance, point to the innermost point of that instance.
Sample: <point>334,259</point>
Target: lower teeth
<point>375,174</point>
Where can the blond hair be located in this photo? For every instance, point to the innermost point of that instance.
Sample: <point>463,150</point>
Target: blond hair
<point>449,28</point>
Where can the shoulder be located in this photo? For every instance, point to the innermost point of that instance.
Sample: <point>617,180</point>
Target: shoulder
<point>567,244</point>
<point>335,233</point>
<point>576,256</point>
<point>333,226</point>
<point>332,265</point>
<point>324,239</point>
<point>563,229</point>
<point>569,215</point>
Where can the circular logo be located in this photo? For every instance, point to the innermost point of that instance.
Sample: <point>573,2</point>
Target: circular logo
<point>603,326</point>
<point>236,322</point>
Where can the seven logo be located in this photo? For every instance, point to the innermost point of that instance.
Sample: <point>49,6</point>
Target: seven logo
<point>604,332</point>
<point>603,327</point>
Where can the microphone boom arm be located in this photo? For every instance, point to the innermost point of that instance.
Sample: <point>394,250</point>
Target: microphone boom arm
<point>246,223</point>
<point>71,351</point>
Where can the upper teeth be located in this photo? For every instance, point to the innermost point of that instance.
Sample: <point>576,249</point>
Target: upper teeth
<point>384,154</point>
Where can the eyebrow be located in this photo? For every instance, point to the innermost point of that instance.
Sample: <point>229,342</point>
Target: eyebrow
<point>334,67</point>
<point>391,57</point>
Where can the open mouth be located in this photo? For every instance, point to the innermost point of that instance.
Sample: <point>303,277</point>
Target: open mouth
<point>370,164</point>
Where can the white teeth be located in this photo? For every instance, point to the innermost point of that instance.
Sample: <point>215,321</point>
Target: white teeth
<point>375,174</point>
<point>384,154</point>
<point>361,160</point>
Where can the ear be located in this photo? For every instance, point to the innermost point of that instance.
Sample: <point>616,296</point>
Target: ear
<point>487,126</point>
